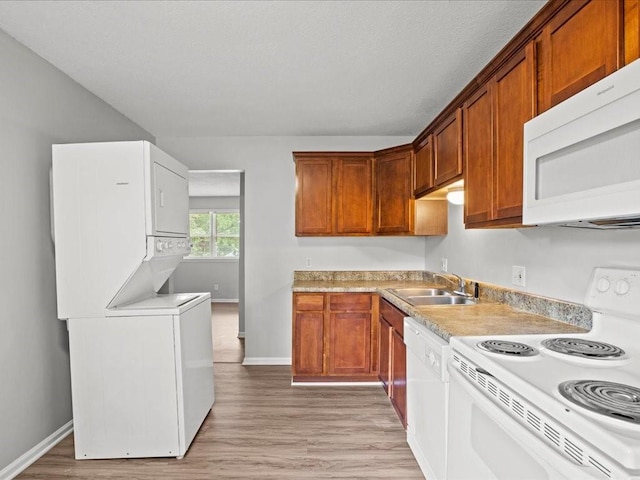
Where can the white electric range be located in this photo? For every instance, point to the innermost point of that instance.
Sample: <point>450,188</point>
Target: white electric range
<point>552,406</point>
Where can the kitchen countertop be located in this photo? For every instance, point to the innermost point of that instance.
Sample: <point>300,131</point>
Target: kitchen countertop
<point>487,317</point>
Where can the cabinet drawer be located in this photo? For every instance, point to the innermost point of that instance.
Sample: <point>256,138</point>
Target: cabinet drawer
<point>393,316</point>
<point>347,302</point>
<point>313,302</point>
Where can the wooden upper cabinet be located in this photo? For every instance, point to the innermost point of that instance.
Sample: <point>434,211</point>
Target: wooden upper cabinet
<point>580,45</point>
<point>423,172</point>
<point>353,195</point>
<point>447,139</point>
<point>513,106</point>
<point>393,213</point>
<point>478,156</point>
<point>334,194</point>
<point>631,30</point>
<point>493,143</point>
<point>314,215</point>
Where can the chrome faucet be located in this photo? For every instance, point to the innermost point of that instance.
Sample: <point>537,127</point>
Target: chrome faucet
<point>460,283</point>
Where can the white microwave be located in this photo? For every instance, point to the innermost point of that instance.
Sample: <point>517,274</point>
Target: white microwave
<point>582,157</point>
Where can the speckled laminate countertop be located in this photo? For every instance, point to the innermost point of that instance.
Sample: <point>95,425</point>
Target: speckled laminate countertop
<point>494,314</point>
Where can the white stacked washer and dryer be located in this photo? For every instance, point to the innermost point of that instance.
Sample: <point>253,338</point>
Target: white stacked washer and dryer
<point>141,363</point>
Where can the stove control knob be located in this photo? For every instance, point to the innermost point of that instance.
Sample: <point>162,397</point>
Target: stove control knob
<point>603,285</point>
<point>622,287</point>
<point>159,246</point>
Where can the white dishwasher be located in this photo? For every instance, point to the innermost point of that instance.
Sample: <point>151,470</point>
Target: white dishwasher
<point>427,395</point>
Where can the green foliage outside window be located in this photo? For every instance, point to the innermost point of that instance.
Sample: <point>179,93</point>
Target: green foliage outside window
<point>214,234</point>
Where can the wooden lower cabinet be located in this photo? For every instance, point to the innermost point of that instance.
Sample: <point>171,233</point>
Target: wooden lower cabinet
<point>384,369</point>
<point>335,337</point>
<point>399,376</point>
<point>349,344</point>
<point>393,358</point>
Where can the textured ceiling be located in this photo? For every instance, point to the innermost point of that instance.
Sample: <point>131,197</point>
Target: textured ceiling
<point>183,68</point>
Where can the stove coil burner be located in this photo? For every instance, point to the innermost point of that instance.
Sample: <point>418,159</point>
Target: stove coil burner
<point>614,400</point>
<point>506,347</point>
<point>579,347</point>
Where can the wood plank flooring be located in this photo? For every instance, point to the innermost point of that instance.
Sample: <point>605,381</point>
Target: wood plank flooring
<point>227,347</point>
<point>261,427</point>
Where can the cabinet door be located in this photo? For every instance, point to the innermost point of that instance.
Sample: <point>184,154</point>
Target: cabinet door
<point>313,197</point>
<point>578,47</point>
<point>171,202</point>
<point>350,343</point>
<point>394,204</point>
<point>423,177</point>
<point>308,334</point>
<point>513,106</point>
<point>631,30</point>
<point>448,149</point>
<point>399,376</point>
<point>353,196</point>
<point>384,356</point>
<point>478,157</point>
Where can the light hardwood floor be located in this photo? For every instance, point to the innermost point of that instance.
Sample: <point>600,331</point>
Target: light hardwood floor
<point>261,427</point>
<point>227,347</point>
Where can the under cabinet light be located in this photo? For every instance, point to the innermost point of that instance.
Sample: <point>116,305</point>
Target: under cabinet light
<point>455,195</point>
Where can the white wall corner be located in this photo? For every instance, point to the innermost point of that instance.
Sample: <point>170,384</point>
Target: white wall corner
<point>21,463</point>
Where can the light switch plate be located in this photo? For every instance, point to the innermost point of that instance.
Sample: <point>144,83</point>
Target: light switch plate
<point>443,264</point>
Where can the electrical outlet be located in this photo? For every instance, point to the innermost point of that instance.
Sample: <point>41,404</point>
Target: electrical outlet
<point>443,264</point>
<point>216,287</point>
<point>518,275</point>
<point>307,262</point>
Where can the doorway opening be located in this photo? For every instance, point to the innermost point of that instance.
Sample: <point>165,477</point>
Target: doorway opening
<point>216,262</point>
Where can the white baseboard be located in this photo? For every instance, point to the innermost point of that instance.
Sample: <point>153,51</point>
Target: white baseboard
<point>225,300</point>
<point>266,361</point>
<point>336,384</point>
<point>20,464</point>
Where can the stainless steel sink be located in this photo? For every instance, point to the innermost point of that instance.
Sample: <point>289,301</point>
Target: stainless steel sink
<point>420,292</point>
<point>439,300</point>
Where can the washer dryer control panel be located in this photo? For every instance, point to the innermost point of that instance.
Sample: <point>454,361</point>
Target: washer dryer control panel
<point>168,246</point>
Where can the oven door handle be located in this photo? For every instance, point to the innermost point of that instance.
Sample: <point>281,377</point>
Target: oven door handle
<point>483,371</point>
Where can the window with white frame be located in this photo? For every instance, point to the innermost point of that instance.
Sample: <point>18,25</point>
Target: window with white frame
<point>214,233</point>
